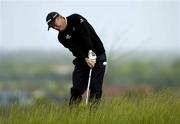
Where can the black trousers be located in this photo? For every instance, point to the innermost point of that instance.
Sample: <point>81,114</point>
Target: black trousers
<point>80,78</point>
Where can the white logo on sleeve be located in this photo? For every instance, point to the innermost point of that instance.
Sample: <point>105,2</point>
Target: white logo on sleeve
<point>81,20</point>
<point>68,36</point>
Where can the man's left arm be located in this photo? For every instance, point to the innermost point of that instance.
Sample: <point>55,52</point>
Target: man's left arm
<point>83,30</point>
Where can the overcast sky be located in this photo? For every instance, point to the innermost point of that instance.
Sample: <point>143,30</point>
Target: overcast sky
<point>121,24</point>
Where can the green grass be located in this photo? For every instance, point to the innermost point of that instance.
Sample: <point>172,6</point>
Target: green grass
<point>162,107</point>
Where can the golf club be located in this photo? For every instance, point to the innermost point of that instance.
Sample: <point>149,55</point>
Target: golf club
<point>91,55</point>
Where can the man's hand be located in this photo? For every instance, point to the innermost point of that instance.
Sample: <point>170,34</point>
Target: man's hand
<point>90,62</point>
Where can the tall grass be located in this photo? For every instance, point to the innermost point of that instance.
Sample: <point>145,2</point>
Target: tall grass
<point>157,108</point>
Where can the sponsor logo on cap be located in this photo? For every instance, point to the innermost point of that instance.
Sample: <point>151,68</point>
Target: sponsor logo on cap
<point>48,20</point>
<point>55,15</point>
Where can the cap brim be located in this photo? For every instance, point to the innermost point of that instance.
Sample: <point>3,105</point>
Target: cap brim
<point>49,28</point>
<point>50,25</point>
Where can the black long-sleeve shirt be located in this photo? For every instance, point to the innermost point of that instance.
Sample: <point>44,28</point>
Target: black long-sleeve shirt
<point>80,37</point>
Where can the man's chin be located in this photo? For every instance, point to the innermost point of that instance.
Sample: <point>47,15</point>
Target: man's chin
<point>61,30</point>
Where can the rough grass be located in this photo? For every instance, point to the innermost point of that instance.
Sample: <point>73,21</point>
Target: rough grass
<point>157,108</point>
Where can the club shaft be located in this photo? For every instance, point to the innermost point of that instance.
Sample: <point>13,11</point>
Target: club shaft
<point>89,81</point>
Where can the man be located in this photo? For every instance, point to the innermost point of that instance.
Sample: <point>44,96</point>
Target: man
<point>76,34</point>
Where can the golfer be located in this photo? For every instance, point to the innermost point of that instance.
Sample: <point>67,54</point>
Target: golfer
<point>76,34</point>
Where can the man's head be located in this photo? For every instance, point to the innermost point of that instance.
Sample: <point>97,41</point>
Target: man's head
<point>56,21</point>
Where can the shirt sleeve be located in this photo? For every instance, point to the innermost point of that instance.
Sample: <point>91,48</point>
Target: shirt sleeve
<point>82,28</point>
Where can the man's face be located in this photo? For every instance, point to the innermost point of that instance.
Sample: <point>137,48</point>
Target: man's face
<point>59,24</point>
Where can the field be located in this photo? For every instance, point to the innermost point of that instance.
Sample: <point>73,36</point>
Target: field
<point>34,89</point>
<point>162,107</point>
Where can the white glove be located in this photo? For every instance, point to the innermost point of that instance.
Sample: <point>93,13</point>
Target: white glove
<point>91,60</point>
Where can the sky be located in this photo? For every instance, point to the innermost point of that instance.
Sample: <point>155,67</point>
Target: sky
<point>121,24</point>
